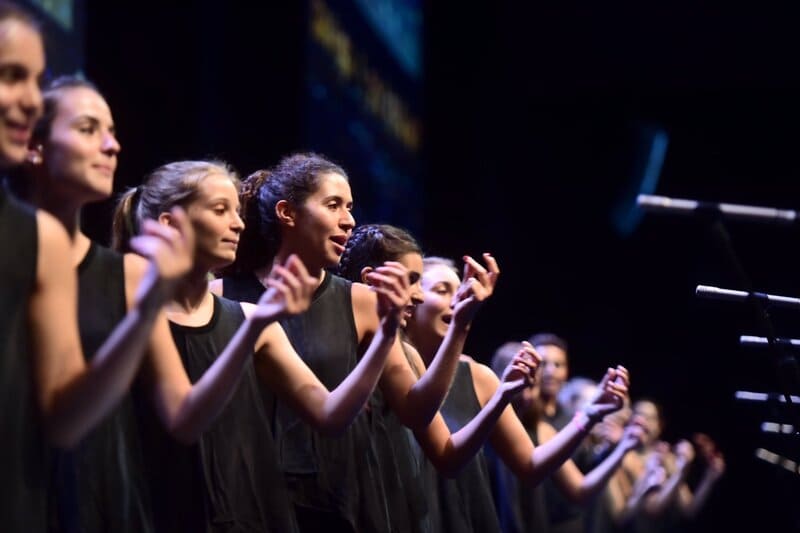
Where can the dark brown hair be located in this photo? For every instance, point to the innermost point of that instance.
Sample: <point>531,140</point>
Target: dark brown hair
<point>545,339</point>
<point>294,178</point>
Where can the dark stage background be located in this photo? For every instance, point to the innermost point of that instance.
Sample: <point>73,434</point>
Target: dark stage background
<point>523,131</point>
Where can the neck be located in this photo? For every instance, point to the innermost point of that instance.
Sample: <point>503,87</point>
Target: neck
<point>66,212</point>
<point>69,215</point>
<point>427,344</point>
<point>315,271</point>
<point>549,405</point>
<point>191,291</point>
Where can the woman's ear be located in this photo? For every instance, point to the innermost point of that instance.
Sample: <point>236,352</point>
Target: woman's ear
<point>364,271</point>
<point>166,219</point>
<point>285,213</point>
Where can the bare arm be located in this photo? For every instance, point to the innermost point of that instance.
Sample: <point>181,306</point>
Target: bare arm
<point>580,488</point>
<point>703,490</point>
<point>74,396</point>
<point>185,409</point>
<point>449,452</point>
<point>477,286</point>
<point>631,501</point>
<point>331,412</point>
<point>657,502</point>
<point>714,470</point>
<point>532,464</point>
<point>416,401</point>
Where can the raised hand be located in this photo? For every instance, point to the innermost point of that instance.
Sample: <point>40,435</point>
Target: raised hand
<point>716,466</point>
<point>610,395</point>
<point>654,474</point>
<point>289,291</point>
<point>392,285</point>
<point>684,451</point>
<point>708,450</point>
<point>476,287</point>
<point>520,372</point>
<point>170,249</point>
<point>633,434</point>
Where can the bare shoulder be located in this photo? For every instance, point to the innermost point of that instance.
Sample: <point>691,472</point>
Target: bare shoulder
<point>480,372</point>
<point>545,431</point>
<point>363,296</point>
<point>483,379</point>
<point>417,364</point>
<point>52,236</point>
<point>247,308</point>
<point>215,286</point>
<point>411,350</point>
<point>134,267</point>
<point>53,246</point>
<point>364,311</point>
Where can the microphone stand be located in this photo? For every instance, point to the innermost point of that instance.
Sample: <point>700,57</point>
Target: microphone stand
<point>788,370</point>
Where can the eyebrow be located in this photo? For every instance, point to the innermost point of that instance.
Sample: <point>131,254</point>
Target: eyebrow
<point>335,197</point>
<point>223,200</point>
<point>95,121</point>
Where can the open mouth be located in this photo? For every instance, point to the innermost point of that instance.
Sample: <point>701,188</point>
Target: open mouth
<point>340,241</point>
<point>447,318</point>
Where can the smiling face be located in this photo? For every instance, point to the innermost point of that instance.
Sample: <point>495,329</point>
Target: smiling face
<point>21,67</point>
<point>79,157</point>
<point>317,231</point>
<point>214,214</point>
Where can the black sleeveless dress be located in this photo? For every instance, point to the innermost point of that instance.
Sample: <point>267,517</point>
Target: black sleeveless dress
<point>242,288</point>
<point>335,482</point>
<point>22,447</point>
<point>100,485</point>
<point>465,502</point>
<point>520,508</point>
<point>401,468</point>
<point>229,481</point>
<point>563,515</point>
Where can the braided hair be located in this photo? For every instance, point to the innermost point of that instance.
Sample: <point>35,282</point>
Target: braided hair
<point>371,245</point>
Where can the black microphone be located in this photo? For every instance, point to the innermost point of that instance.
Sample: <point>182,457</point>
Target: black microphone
<point>682,206</point>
